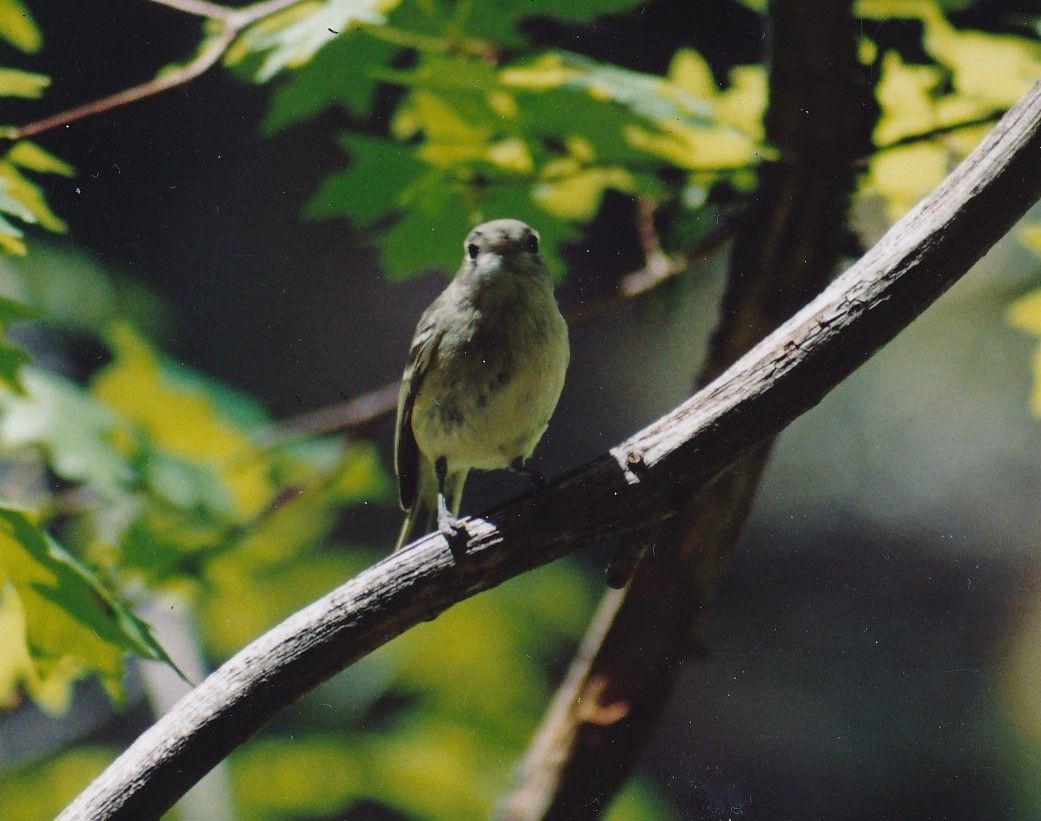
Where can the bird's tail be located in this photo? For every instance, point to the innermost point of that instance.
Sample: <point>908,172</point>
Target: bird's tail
<point>421,518</point>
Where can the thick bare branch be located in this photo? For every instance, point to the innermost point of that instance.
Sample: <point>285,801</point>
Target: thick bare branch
<point>642,481</point>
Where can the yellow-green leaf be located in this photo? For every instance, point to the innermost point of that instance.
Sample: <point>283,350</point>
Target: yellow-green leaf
<point>902,176</point>
<point>292,37</point>
<point>184,421</point>
<point>71,625</point>
<point>31,156</point>
<point>24,199</point>
<point>17,26</point>
<point>75,430</point>
<point>992,68</point>
<point>15,83</point>
<point>577,196</point>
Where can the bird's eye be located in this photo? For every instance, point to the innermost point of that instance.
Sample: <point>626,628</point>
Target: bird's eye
<point>532,243</point>
<point>472,249</point>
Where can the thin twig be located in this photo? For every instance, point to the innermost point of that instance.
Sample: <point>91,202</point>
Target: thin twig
<point>655,260</point>
<point>931,134</point>
<point>231,22</point>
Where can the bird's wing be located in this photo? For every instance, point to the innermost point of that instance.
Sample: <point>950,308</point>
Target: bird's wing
<point>406,451</point>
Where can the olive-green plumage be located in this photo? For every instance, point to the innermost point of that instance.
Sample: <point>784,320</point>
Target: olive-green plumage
<point>484,374</point>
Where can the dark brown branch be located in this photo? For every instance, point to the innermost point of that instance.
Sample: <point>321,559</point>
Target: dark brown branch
<point>641,482</point>
<point>785,250</point>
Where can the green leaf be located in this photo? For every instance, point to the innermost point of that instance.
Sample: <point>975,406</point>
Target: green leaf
<point>15,83</point>
<point>286,561</point>
<point>291,38</point>
<point>76,431</point>
<point>375,185</point>
<point>11,237</point>
<point>17,26</point>
<point>29,155</point>
<point>191,419</point>
<point>647,95</point>
<point>72,624</point>
<point>429,233</point>
<point>22,198</point>
<point>341,74</point>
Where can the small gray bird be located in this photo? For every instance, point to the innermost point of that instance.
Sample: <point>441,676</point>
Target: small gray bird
<point>484,374</point>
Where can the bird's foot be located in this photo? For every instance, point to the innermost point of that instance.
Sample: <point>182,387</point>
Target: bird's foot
<point>452,528</point>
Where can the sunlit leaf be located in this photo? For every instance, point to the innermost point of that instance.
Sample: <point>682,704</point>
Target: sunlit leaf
<point>498,643</point>
<point>902,176</point>
<point>1025,313</point>
<point>15,83</point>
<point>992,68</point>
<point>72,625</point>
<point>75,431</point>
<point>242,601</point>
<point>17,26</point>
<point>647,95</point>
<point>30,156</point>
<point>577,196</point>
<point>292,37</point>
<point>24,199</point>
<point>194,422</point>
<point>285,561</point>
<point>11,237</point>
<point>338,75</point>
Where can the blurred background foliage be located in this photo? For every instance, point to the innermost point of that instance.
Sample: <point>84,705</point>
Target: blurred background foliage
<point>230,260</point>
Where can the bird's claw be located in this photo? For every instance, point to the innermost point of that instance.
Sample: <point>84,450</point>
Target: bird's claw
<point>452,529</point>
